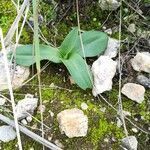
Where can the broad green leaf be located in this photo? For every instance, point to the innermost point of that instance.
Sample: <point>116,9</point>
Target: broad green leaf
<point>94,43</point>
<point>69,43</point>
<point>25,56</point>
<point>79,71</point>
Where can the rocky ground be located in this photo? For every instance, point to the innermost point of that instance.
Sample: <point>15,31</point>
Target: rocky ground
<point>75,119</point>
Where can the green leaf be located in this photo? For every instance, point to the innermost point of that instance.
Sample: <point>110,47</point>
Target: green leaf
<point>69,43</point>
<point>25,56</point>
<point>94,43</point>
<point>79,71</point>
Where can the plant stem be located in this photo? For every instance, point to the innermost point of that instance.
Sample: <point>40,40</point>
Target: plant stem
<point>37,55</point>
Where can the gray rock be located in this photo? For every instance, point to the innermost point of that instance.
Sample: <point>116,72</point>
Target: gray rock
<point>141,62</point>
<point>7,133</point>
<point>73,122</point>
<point>134,92</point>
<point>141,79</point>
<point>26,106</point>
<point>112,48</point>
<point>130,143</point>
<point>18,74</point>
<point>103,69</point>
<point>109,4</point>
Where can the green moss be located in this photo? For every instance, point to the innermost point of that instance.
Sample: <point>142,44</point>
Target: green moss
<point>7,15</point>
<point>104,130</point>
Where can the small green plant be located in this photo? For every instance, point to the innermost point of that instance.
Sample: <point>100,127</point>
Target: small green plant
<point>70,53</point>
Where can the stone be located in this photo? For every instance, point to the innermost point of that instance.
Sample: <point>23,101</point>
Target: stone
<point>73,122</point>
<point>26,107</point>
<point>134,92</point>
<point>24,122</point>
<point>29,119</point>
<point>108,31</point>
<point>7,133</point>
<point>132,28</point>
<point>130,143</point>
<point>41,108</point>
<point>112,48</point>
<point>143,80</point>
<point>103,69</point>
<point>126,113</point>
<point>18,74</point>
<point>119,122</point>
<point>135,130</point>
<point>103,109</point>
<point>109,4</point>
<point>51,113</point>
<point>84,106</point>
<point>141,62</point>
<point>2,101</point>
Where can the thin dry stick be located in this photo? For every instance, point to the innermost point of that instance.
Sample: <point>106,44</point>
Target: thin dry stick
<point>13,28</point>
<point>10,90</point>
<point>109,104</point>
<point>120,75</point>
<point>41,36</point>
<point>27,113</point>
<point>18,36</point>
<point>37,56</point>
<point>134,9</point>
<point>81,41</point>
<point>30,134</point>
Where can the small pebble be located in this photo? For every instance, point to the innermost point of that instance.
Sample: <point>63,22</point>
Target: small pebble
<point>135,130</point>
<point>84,106</point>
<point>103,109</point>
<point>51,113</point>
<point>52,85</point>
<point>119,122</point>
<point>41,108</point>
<point>109,31</point>
<point>126,113</point>
<point>106,140</point>
<point>50,138</point>
<point>132,28</point>
<point>24,122</point>
<point>29,119</point>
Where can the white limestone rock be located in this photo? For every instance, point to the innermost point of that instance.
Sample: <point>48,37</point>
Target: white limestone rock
<point>109,4</point>
<point>26,106</point>
<point>18,74</point>
<point>103,69</point>
<point>73,122</point>
<point>134,92</point>
<point>112,48</point>
<point>141,62</point>
<point>7,133</point>
<point>130,143</point>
